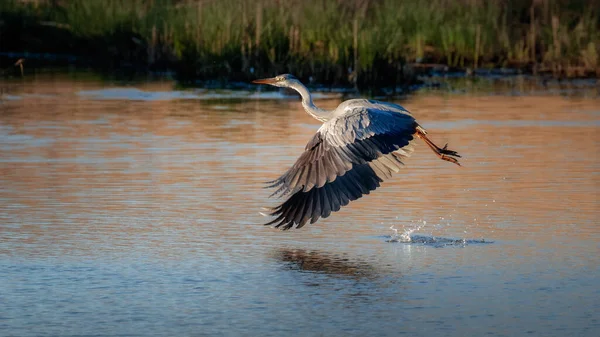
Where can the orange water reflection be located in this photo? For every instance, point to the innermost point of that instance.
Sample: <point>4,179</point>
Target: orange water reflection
<point>78,171</point>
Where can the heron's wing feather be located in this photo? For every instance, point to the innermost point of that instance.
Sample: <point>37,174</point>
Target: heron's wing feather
<point>347,158</point>
<point>303,207</point>
<point>319,202</point>
<point>357,137</point>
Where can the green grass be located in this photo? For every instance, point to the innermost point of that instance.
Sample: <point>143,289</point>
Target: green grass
<point>341,42</point>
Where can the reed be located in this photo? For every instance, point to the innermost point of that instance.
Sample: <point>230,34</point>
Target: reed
<point>341,42</point>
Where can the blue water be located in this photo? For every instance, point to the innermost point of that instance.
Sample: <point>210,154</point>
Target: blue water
<point>447,293</point>
<point>139,217</point>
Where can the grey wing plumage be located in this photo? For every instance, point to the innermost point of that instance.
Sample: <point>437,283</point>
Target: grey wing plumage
<point>348,157</point>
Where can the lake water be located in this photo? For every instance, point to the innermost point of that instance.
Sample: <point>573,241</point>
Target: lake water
<point>132,210</point>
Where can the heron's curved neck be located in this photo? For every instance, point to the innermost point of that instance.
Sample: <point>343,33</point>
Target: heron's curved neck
<point>310,107</point>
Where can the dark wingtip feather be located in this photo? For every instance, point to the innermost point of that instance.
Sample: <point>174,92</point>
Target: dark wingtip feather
<point>280,191</point>
<point>273,183</point>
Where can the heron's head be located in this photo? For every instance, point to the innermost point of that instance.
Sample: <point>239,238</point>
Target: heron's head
<point>285,80</point>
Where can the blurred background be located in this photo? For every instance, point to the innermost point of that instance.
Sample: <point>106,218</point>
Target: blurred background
<point>356,43</point>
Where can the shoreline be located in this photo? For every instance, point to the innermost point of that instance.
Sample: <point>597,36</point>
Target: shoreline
<point>417,76</point>
<point>503,82</point>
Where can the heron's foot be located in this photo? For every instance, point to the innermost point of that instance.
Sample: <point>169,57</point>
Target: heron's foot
<point>443,153</point>
<point>447,155</point>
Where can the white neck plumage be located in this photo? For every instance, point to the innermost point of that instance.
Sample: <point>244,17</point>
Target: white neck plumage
<point>307,102</point>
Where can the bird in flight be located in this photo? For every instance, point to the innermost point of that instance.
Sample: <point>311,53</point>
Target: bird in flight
<point>360,144</point>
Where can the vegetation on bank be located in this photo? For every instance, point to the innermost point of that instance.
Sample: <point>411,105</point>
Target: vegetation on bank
<point>334,41</point>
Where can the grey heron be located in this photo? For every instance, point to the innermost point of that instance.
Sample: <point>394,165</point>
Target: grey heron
<point>360,144</point>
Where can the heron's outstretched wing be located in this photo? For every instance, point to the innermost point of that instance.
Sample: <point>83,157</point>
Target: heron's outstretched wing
<point>348,157</point>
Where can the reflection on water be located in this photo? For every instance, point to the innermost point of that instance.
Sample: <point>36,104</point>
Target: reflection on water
<point>321,262</point>
<point>127,216</point>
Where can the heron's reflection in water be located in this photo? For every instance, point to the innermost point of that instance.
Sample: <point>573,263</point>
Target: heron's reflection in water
<point>320,262</point>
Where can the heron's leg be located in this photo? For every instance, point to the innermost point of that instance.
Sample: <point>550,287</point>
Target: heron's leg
<point>443,153</point>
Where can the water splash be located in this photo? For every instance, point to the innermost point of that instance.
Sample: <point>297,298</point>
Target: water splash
<point>405,236</point>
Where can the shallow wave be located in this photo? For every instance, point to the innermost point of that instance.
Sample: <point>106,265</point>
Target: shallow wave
<point>407,237</point>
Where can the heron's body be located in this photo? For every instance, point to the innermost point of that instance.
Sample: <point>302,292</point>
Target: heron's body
<point>360,144</point>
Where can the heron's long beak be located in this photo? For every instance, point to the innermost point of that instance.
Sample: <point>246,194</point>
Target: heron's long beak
<point>265,81</point>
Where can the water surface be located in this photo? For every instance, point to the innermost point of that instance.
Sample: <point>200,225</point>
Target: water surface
<point>133,211</point>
